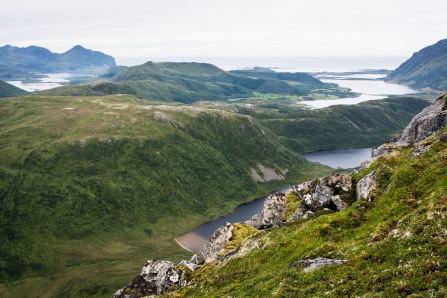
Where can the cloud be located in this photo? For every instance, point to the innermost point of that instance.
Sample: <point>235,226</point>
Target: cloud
<point>232,28</point>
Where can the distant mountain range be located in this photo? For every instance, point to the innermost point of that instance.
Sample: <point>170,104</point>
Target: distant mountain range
<point>18,62</point>
<point>426,69</point>
<point>189,82</point>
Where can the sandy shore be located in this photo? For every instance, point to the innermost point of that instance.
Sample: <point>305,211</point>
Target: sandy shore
<point>191,241</point>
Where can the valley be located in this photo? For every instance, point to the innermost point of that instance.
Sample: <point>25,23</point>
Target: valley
<point>105,172</point>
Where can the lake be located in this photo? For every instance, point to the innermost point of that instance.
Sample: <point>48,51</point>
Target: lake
<point>48,81</point>
<point>195,239</point>
<point>366,84</point>
<point>344,158</point>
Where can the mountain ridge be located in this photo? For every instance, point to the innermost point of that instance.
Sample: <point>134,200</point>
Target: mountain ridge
<point>426,69</point>
<point>31,59</point>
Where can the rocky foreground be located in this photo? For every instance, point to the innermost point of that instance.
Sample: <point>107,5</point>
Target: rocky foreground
<point>304,202</point>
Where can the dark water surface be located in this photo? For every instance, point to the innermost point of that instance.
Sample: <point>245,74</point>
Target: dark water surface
<point>346,158</point>
<point>195,239</point>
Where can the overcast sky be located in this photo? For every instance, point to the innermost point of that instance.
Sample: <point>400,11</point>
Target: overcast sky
<point>201,28</point>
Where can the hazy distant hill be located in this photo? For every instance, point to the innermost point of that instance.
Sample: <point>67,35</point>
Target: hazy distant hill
<point>8,90</point>
<point>188,82</point>
<point>425,69</point>
<point>15,61</point>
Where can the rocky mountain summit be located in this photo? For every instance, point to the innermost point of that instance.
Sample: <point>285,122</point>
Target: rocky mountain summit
<point>314,201</point>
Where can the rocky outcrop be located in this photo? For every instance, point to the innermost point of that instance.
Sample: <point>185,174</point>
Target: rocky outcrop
<point>299,213</point>
<point>314,263</point>
<point>156,278</point>
<point>255,221</point>
<point>428,122</point>
<point>321,197</point>
<point>274,210</point>
<point>339,203</point>
<point>432,119</point>
<point>366,185</point>
<point>216,244</point>
<point>192,264</point>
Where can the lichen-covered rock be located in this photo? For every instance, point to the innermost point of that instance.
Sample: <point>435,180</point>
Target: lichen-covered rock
<point>316,263</point>
<point>430,120</point>
<point>340,182</point>
<point>366,185</point>
<point>304,188</point>
<point>212,248</point>
<point>299,213</point>
<point>420,150</point>
<point>194,260</point>
<point>156,278</point>
<point>274,210</point>
<point>255,221</point>
<point>191,266</point>
<point>339,203</point>
<point>308,214</point>
<point>321,198</point>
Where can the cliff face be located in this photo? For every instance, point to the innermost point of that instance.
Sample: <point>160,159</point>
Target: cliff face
<point>387,238</point>
<point>425,69</point>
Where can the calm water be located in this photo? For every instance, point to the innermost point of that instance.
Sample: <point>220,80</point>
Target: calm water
<point>346,158</point>
<point>369,90</point>
<point>195,239</point>
<point>49,81</point>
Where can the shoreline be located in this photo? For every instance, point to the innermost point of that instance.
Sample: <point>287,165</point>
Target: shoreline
<point>184,247</point>
<point>194,240</point>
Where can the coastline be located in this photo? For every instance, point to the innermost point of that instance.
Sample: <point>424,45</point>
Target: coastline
<point>184,247</point>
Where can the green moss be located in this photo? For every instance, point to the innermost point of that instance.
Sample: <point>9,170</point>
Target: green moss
<point>293,201</point>
<point>241,232</point>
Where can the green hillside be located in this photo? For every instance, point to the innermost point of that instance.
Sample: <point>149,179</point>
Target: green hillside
<point>426,69</point>
<point>99,88</point>
<point>338,127</point>
<point>191,82</point>
<point>394,242</point>
<point>94,184</point>
<point>8,90</point>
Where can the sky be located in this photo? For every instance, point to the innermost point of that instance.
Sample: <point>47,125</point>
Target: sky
<point>209,28</point>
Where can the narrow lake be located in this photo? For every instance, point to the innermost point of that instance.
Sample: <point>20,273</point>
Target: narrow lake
<point>366,85</point>
<point>345,158</point>
<point>195,239</point>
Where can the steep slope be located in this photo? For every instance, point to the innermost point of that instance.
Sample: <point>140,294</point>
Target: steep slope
<point>390,241</point>
<point>338,127</point>
<point>17,62</point>
<point>8,90</point>
<point>108,180</point>
<point>426,69</point>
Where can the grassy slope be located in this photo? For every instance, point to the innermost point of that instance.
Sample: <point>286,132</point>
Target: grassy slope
<point>117,178</point>
<point>411,197</point>
<point>426,69</point>
<point>366,124</point>
<point>8,90</point>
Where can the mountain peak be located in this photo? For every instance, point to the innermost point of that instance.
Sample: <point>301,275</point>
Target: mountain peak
<point>78,47</point>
